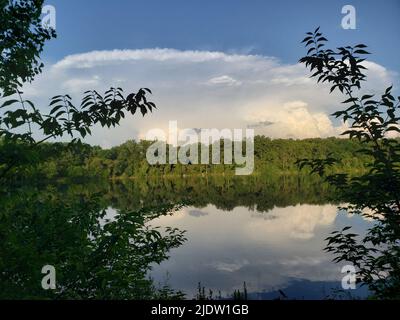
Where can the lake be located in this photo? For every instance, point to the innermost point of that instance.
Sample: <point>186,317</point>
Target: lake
<point>279,249</point>
<point>105,239</point>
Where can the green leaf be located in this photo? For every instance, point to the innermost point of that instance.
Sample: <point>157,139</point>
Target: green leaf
<point>350,100</point>
<point>148,90</point>
<point>393,128</point>
<point>60,113</point>
<point>310,50</point>
<point>367,96</point>
<point>55,101</point>
<point>306,39</point>
<point>31,104</point>
<point>56,108</point>
<point>309,42</point>
<point>361,52</point>
<point>8,102</point>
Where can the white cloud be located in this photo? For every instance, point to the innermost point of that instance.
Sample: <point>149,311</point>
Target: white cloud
<point>265,248</point>
<point>203,89</point>
<point>293,120</point>
<point>95,58</point>
<point>297,222</point>
<point>224,80</point>
<point>76,85</point>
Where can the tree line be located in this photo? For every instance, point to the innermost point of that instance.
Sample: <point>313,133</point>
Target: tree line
<point>128,160</point>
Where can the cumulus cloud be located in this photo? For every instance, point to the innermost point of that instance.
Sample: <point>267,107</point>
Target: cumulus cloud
<point>293,120</point>
<point>202,89</point>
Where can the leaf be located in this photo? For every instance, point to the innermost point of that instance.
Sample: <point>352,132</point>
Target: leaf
<point>7,94</point>
<point>60,113</point>
<point>8,102</point>
<point>393,128</point>
<point>310,50</point>
<point>56,108</point>
<point>309,42</point>
<point>31,104</point>
<point>143,110</point>
<point>306,39</point>
<point>367,96</point>
<point>350,100</point>
<point>86,104</point>
<point>361,51</point>
<point>148,90</point>
<point>55,101</point>
<point>337,114</point>
<point>151,104</point>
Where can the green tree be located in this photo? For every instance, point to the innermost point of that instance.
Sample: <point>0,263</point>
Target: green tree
<point>96,257</point>
<point>22,38</point>
<point>374,194</point>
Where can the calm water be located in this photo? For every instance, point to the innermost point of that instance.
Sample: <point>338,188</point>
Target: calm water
<point>277,249</point>
<point>103,240</point>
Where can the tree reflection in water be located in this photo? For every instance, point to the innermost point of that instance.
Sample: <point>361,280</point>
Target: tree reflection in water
<point>94,258</point>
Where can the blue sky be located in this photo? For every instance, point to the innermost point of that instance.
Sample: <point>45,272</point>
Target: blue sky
<point>271,28</point>
<point>213,64</point>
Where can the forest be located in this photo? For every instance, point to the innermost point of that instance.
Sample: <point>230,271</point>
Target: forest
<point>271,156</point>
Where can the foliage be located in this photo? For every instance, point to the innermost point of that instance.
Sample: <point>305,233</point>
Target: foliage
<point>22,40</point>
<point>259,194</point>
<point>375,193</point>
<point>272,157</point>
<point>94,259</point>
<point>52,223</point>
<point>97,256</point>
<point>209,295</point>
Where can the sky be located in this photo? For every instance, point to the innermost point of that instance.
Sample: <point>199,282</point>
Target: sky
<point>223,64</point>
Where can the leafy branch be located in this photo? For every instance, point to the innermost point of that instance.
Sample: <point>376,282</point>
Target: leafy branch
<point>65,118</point>
<point>375,194</point>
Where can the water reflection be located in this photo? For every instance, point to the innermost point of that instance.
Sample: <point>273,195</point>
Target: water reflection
<point>103,238</point>
<point>97,253</point>
<point>280,249</point>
